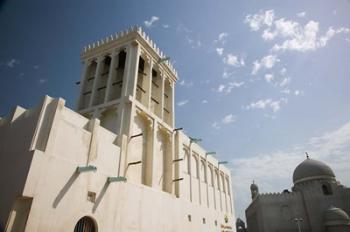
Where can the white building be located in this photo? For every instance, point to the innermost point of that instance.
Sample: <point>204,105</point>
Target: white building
<point>119,164</point>
<point>317,203</point>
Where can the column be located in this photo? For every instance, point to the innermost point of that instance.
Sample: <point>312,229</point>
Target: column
<point>161,103</point>
<point>97,76</point>
<point>172,97</point>
<point>190,173</point>
<point>112,73</point>
<point>125,111</point>
<point>131,69</point>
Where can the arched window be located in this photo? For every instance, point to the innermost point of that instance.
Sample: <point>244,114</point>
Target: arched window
<point>203,172</point>
<point>217,180</point>
<point>195,166</point>
<point>186,168</point>
<point>211,176</point>
<point>223,183</point>
<point>228,185</point>
<point>85,224</point>
<point>326,189</point>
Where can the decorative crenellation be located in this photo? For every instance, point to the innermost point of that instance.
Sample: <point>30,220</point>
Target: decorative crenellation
<point>133,29</point>
<point>276,195</point>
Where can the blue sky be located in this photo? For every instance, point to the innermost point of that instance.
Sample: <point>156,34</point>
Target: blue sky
<point>260,81</point>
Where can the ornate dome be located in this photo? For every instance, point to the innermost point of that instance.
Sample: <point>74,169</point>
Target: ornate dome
<point>253,186</point>
<point>311,169</point>
<point>336,216</point>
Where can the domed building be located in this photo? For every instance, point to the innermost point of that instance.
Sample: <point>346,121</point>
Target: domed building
<point>317,203</point>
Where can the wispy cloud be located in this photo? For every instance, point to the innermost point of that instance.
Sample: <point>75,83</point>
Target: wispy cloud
<point>269,77</point>
<point>301,14</point>
<point>285,82</point>
<point>256,21</point>
<point>219,51</point>
<point>149,23</point>
<point>296,37</point>
<point>185,83</point>
<point>274,105</point>
<point>227,119</point>
<point>227,88</point>
<point>10,63</point>
<point>266,62</point>
<point>233,60</point>
<point>194,43</point>
<point>222,38</point>
<point>42,81</point>
<point>182,103</point>
<point>230,118</point>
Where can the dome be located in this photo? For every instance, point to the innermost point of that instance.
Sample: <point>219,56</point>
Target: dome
<point>311,169</point>
<point>336,216</point>
<point>253,186</point>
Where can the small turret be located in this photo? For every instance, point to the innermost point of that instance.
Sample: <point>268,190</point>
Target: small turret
<point>254,189</point>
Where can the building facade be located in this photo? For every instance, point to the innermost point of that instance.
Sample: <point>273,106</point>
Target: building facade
<point>317,203</point>
<point>118,163</point>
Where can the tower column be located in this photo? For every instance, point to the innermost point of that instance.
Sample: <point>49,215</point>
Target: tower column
<point>172,107</point>
<point>97,76</point>
<point>162,96</point>
<point>112,73</point>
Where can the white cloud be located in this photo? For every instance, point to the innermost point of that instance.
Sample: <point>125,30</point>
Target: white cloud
<point>227,119</point>
<point>267,103</point>
<point>256,21</point>
<point>233,60</point>
<point>185,83</point>
<point>227,74</point>
<point>285,91</point>
<point>269,77</point>
<point>297,92</point>
<point>204,101</point>
<point>296,37</point>
<point>149,23</point>
<point>220,51</point>
<point>283,71</point>
<point>42,81</point>
<point>222,38</point>
<point>166,26</point>
<point>221,88</point>
<point>10,63</point>
<point>182,103</point>
<point>215,125</point>
<point>226,89</point>
<point>285,82</point>
<point>304,39</point>
<point>301,14</point>
<point>332,148</point>
<point>230,118</point>
<point>266,62</point>
<point>194,43</point>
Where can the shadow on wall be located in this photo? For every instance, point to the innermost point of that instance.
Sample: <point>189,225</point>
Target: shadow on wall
<point>65,189</point>
<point>100,196</point>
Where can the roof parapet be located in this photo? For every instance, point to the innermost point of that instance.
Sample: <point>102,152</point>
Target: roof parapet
<point>133,29</point>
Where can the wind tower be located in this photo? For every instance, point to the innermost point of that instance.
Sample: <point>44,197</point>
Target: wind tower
<point>128,84</point>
